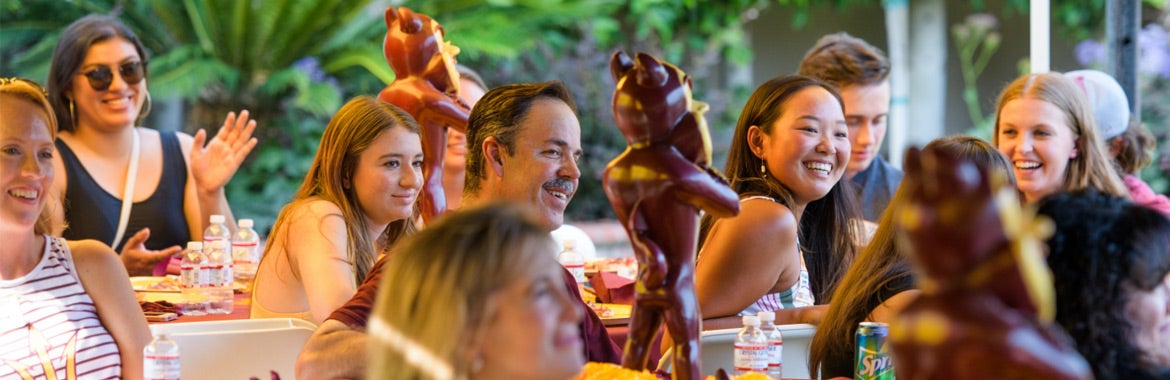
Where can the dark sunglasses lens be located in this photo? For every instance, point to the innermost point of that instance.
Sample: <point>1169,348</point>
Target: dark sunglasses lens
<point>132,72</point>
<point>100,78</point>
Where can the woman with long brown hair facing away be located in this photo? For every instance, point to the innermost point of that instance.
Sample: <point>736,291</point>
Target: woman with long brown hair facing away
<point>880,283</point>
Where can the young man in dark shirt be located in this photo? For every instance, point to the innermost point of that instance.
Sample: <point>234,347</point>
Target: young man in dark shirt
<point>861,73</point>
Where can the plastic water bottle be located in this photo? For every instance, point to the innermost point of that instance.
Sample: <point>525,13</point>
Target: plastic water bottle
<point>751,347</point>
<point>160,358</point>
<point>775,343</point>
<point>573,261</point>
<point>216,230</point>
<point>193,279</point>
<point>245,251</point>
<point>220,279</point>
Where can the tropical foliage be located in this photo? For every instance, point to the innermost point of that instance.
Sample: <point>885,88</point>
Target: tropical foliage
<point>293,62</point>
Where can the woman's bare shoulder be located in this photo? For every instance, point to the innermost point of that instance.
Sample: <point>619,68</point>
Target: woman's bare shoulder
<point>761,215</point>
<point>94,257</point>
<point>760,223</point>
<point>314,208</point>
<point>315,217</point>
<point>91,250</point>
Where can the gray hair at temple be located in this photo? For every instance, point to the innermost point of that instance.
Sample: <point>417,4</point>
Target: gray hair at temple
<point>498,114</point>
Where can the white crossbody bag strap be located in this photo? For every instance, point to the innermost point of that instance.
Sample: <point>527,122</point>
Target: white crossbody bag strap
<point>128,192</point>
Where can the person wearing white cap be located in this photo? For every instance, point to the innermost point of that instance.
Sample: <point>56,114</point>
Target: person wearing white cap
<point>1129,142</point>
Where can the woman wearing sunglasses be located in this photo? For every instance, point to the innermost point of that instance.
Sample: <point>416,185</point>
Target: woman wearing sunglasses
<point>143,191</point>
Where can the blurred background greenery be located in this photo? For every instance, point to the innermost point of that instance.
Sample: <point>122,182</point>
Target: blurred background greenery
<point>293,63</point>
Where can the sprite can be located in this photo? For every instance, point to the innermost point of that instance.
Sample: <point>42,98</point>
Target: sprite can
<point>873,358</point>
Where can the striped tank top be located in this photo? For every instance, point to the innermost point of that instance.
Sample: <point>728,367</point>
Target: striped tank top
<point>799,295</point>
<point>49,327</point>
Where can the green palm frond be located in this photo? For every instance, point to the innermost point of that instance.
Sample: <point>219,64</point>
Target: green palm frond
<point>187,72</point>
<point>368,57</point>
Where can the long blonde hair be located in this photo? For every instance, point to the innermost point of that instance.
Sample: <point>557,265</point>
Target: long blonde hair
<point>436,289</point>
<point>32,92</point>
<point>1092,168</point>
<point>351,131</point>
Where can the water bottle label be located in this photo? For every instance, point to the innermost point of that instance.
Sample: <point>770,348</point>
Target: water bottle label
<point>229,276</point>
<point>751,357</point>
<point>578,271</point>
<point>775,355</point>
<point>217,275</point>
<point>161,367</point>
<point>242,253</point>
<point>192,277</point>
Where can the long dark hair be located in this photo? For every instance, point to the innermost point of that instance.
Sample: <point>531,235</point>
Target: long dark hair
<point>883,266</point>
<point>1104,250</point>
<point>827,227</point>
<point>72,47</point>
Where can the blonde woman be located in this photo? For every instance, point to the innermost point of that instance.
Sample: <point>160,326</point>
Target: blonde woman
<point>477,295</point>
<point>69,300</point>
<point>356,201</point>
<point>1045,127</point>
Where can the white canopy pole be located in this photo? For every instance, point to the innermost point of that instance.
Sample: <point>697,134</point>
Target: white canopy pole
<point>898,35</point>
<point>1039,14</point>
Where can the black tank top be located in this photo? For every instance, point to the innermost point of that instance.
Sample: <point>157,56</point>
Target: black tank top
<point>92,213</point>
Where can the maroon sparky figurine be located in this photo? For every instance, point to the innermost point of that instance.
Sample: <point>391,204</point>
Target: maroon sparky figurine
<point>986,304</point>
<point>426,86</point>
<point>657,187</point>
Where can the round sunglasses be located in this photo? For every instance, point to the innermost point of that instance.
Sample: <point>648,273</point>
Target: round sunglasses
<point>101,77</point>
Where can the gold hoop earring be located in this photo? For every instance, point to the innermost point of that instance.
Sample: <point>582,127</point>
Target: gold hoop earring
<point>142,115</point>
<point>72,114</point>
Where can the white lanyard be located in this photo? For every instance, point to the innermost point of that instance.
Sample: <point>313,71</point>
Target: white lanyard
<point>128,192</point>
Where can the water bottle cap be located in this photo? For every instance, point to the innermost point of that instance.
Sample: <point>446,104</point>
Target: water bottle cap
<point>766,316</point>
<point>216,218</point>
<point>194,246</point>
<point>246,223</point>
<point>751,320</point>
<point>218,244</point>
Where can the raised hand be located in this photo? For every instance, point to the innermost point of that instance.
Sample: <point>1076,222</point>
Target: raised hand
<point>214,165</point>
<point>140,261</point>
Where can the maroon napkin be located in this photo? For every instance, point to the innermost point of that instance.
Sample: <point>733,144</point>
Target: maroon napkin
<point>611,288</point>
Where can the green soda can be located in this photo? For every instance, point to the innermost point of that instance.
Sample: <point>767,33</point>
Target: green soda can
<point>873,358</point>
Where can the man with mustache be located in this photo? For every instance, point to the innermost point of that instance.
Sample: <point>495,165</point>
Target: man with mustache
<point>523,141</point>
<point>861,73</point>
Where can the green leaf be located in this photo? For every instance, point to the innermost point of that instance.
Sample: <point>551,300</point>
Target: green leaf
<point>319,99</point>
<point>367,57</point>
